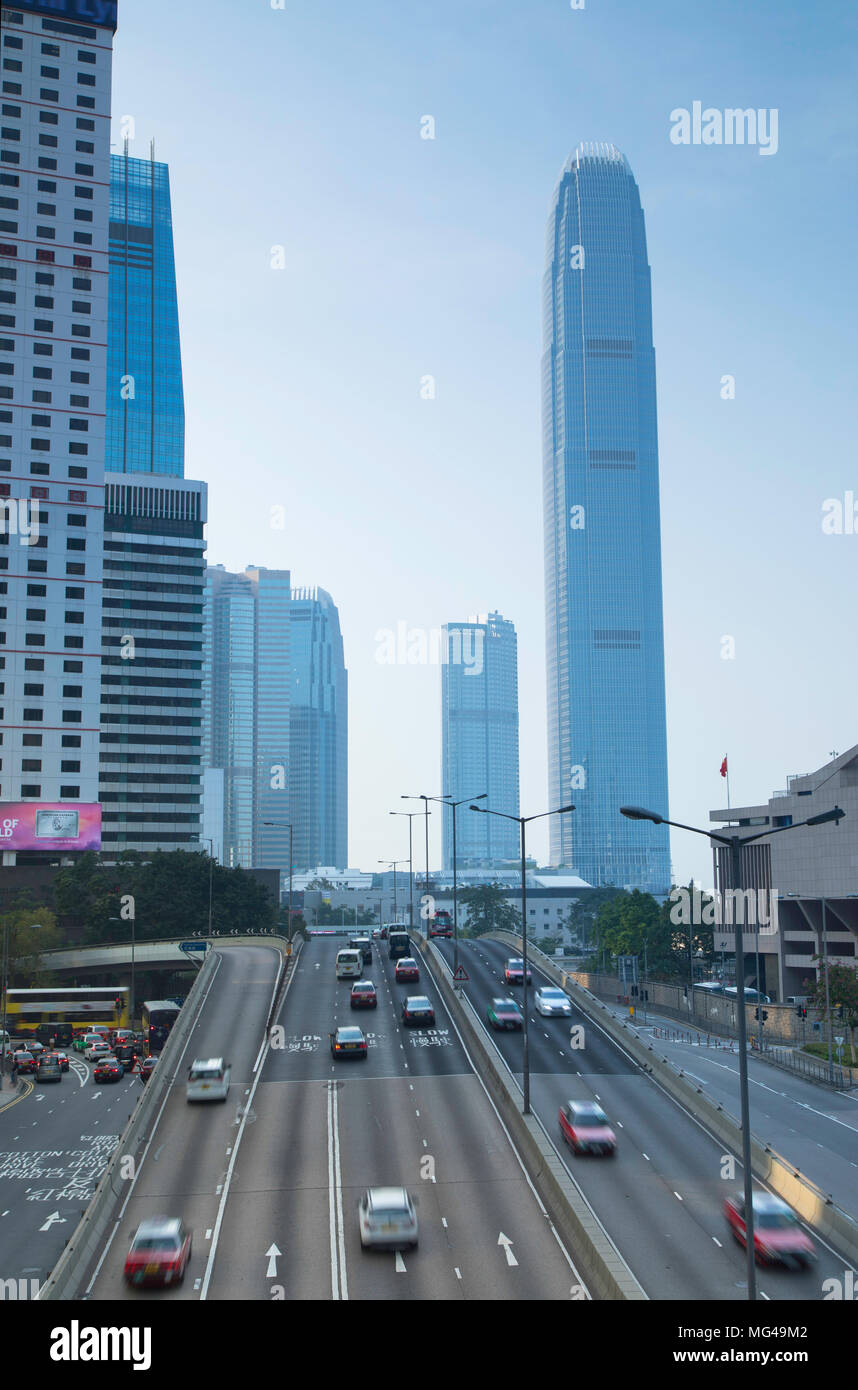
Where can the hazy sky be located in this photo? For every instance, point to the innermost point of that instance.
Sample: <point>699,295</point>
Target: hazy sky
<point>300,128</point>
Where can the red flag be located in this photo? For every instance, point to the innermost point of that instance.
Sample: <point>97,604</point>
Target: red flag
<point>724,768</point>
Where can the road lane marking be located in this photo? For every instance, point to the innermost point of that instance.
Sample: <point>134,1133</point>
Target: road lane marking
<point>458,1274</point>
<point>718,1243</point>
<point>209,1233</point>
<point>507,1244</point>
<point>400,1263</point>
<point>339,1282</point>
<point>676,1195</point>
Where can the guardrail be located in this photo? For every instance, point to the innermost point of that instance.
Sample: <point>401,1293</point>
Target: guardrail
<point>816,1207</point>
<point>603,1267</point>
<point>65,1279</point>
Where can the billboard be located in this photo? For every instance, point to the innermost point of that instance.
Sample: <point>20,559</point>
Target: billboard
<point>50,825</point>
<point>100,12</point>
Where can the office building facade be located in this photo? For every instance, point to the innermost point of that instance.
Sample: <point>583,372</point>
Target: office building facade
<point>318,731</point>
<point>145,400</point>
<point>54,214</point>
<point>479,738</point>
<point>607,742</point>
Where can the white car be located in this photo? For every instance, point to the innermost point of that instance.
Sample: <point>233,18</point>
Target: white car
<point>208,1079</point>
<point>386,1217</point>
<point>552,1002</point>
<point>94,1051</point>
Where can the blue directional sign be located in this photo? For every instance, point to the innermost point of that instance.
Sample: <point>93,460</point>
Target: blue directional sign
<point>193,945</point>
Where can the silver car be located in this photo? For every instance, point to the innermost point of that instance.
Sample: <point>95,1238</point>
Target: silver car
<point>551,1001</point>
<point>387,1218</point>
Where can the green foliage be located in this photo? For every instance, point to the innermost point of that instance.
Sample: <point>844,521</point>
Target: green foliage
<point>842,990</point>
<point>488,910</point>
<point>32,929</point>
<point>634,924</point>
<point>328,916</point>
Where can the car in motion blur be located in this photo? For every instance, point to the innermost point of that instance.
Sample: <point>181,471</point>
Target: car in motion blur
<point>417,1011</point>
<point>778,1236</point>
<point>25,1062</point>
<point>94,1051</point>
<point>552,1002</point>
<point>584,1126</point>
<point>348,1042</point>
<point>81,1041</point>
<point>108,1069</point>
<point>504,1013</point>
<point>514,972</point>
<point>62,1058</point>
<point>159,1252</point>
<point>147,1066</point>
<point>49,1068</point>
<point>387,1218</point>
<point>406,969</point>
<point>208,1079</point>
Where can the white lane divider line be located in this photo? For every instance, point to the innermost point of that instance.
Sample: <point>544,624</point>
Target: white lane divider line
<point>718,1243</point>
<point>676,1195</point>
<point>444,1222</point>
<point>339,1280</point>
<point>458,1273</point>
<point>400,1263</point>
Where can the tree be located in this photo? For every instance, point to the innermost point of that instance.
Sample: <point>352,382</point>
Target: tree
<point>322,885</point>
<point>328,916</point>
<point>489,910</point>
<point>583,911</point>
<point>32,929</point>
<point>842,992</point>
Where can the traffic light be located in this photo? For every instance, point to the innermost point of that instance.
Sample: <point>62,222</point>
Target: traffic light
<point>117,1003</point>
<point>765,1014</point>
<point>757,1015</point>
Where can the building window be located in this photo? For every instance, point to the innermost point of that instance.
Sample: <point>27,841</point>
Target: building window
<point>70,793</point>
<point>31,789</point>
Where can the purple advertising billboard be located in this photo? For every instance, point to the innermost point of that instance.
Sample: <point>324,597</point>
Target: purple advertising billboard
<point>50,825</point>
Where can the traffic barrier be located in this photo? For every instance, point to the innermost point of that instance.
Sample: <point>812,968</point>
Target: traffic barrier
<point>814,1206</point>
<point>65,1280</point>
<point>605,1271</point>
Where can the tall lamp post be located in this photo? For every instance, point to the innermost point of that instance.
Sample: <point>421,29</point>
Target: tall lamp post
<point>522,821</point>
<point>285,825</point>
<point>410,815</point>
<point>427,813</point>
<point>206,840</point>
<point>445,801</point>
<point>391,864</point>
<point>735,844</point>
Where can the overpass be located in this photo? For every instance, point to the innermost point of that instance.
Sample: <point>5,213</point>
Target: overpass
<point>148,955</point>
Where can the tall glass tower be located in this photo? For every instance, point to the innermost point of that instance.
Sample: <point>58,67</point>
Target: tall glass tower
<point>479,738</point>
<point>607,738</point>
<point>145,402</point>
<point>318,732</point>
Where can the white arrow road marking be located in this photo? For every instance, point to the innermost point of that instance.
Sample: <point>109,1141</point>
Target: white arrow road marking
<point>506,1243</point>
<point>272,1252</point>
<point>52,1220</point>
<point>400,1263</point>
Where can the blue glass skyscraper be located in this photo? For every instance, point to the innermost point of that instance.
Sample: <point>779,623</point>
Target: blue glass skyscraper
<point>607,738</point>
<point>145,402</point>
<point>479,738</point>
<point>318,725</point>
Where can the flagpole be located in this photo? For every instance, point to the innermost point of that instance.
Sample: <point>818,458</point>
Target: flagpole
<point>728,783</point>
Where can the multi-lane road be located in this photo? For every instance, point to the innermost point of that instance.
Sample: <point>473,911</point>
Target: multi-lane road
<point>661,1198</point>
<point>269,1182</point>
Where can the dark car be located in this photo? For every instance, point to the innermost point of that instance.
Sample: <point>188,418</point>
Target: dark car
<point>127,1054</point>
<point>108,1069</point>
<point>147,1066</point>
<point>363,995</point>
<point>159,1252</point>
<point>348,1042</point>
<point>364,945</point>
<point>417,1011</point>
<point>62,1058</point>
<point>25,1062</point>
<point>504,1013</point>
<point>49,1069</point>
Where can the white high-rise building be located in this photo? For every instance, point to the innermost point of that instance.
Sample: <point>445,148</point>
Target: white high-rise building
<point>54,187</point>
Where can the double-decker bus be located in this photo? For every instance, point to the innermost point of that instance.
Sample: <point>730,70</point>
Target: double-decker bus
<point>159,1015</point>
<point>60,1013</point>
<point>441,924</point>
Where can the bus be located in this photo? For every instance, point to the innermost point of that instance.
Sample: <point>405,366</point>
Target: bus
<point>441,924</point>
<point>159,1015</point>
<point>60,1013</point>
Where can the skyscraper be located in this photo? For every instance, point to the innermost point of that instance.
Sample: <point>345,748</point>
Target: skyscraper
<point>318,732</point>
<point>54,158</point>
<point>145,402</point>
<point>479,738</point>
<point>607,741</point>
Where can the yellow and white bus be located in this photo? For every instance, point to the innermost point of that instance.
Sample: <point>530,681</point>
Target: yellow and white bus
<point>62,1012</point>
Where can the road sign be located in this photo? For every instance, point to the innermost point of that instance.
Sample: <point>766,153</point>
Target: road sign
<point>461,975</point>
<point>193,946</point>
<point>839,1041</point>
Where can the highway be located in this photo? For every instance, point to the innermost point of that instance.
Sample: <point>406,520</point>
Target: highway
<point>270,1181</point>
<point>661,1197</point>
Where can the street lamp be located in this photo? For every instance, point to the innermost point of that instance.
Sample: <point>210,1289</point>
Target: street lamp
<point>522,821</point>
<point>445,801</point>
<point>410,815</point>
<point>391,864</point>
<point>285,825</point>
<point>427,813</point>
<point>208,841</point>
<point>735,845</point>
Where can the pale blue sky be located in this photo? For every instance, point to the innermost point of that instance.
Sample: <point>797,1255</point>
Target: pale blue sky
<point>300,127</point>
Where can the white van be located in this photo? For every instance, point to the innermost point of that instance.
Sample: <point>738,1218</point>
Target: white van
<point>208,1079</point>
<point>349,965</point>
